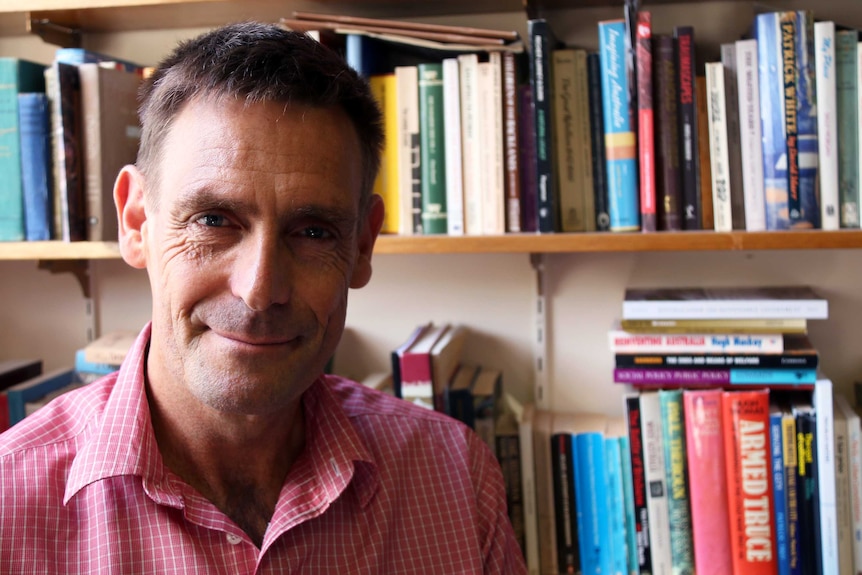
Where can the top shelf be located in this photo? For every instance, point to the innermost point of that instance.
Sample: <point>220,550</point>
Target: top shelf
<point>514,243</point>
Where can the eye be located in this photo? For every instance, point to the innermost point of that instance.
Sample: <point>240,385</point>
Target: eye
<point>316,233</point>
<point>213,220</point>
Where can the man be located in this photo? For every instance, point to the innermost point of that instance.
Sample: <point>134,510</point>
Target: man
<point>219,447</point>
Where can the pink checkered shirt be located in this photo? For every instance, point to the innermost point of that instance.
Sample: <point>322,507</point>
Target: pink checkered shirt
<point>382,487</point>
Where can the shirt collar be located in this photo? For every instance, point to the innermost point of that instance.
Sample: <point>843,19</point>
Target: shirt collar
<point>123,443</point>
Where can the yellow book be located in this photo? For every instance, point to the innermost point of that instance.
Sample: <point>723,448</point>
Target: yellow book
<point>727,326</point>
<point>386,185</point>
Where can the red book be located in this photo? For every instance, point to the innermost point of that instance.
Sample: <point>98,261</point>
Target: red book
<point>750,505</point>
<point>416,367</point>
<point>707,481</point>
<point>646,136</point>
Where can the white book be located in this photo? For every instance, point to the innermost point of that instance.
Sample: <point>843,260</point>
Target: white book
<point>748,89</point>
<point>825,439</point>
<point>854,460</point>
<point>656,481</point>
<point>471,150</point>
<point>490,128</point>
<point>718,153</point>
<point>846,432</point>
<point>452,131</point>
<point>407,95</point>
<point>528,481</point>
<point>827,123</point>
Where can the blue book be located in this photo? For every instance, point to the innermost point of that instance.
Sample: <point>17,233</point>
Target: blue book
<point>16,76</point>
<point>34,389</point>
<point>34,125</point>
<point>673,435</point>
<point>803,198</point>
<point>620,139</point>
<point>773,376</point>
<point>592,501</point>
<point>776,441</point>
<point>616,509</point>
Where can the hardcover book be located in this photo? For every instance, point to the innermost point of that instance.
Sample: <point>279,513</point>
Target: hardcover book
<point>471,143</point>
<point>646,125</point>
<point>827,122</point>
<point>847,102</point>
<point>667,166</point>
<point>416,381</point>
<point>512,66</point>
<point>36,185</point>
<point>432,148</point>
<point>734,150</point>
<point>637,465</point>
<point>656,481</point>
<point>676,469</point>
<point>688,128</point>
<point>409,176</point>
<point>750,135</point>
<point>825,512</point>
<point>452,134</point>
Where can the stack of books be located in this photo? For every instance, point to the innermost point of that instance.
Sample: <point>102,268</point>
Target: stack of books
<point>733,448</point>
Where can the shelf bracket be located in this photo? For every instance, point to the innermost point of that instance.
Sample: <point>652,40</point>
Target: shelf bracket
<point>542,389</point>
<point>53,33</point>
<point>83,272</point>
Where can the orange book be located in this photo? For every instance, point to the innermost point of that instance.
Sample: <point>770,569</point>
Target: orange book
<point>750,505</point>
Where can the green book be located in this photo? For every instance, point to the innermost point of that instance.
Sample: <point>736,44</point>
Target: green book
<point>432,148</point>
<point>846,86</point>
<point>673,430</point>
<point>16,76</point>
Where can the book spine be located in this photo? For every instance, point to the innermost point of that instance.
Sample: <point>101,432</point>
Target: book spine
<point>616,509</point>
<point>656,481</point>
<point>542,43</point>
<point>745,418</point>
<point>668,174</point>
<point>704,176</point>
<point>646,126</point>
<point>565,519</point>
<point>569,189</point>
<point>846,86</point>
<point>509,455</point>
<point>35,165</point>
<point>689,157</point>
<point>718,151</point>
<point>807,194</point>
<point>779,489</point>
<point>639,485</point>
<point>527,159</point>
<point>597,143</point>
<point>707,481</point>
<point>750,135</point>
<point>383,88</point>
<point>471,146</point>
<point>620,145</point>
<point>583,146</point>
<point>628,501</point>
<point>591,494</point>
<point>806,494</point>
<point>857,205</point>
<point>731,376</point>
<point>826,512</point>
<point>491,123</point>
<point>673,436</point>
<point>512,136</point>
<point>409,177</point>
<point>734,151</point>
<point>791,483</point>
<point>827,122</point>
<point>68,152</point>
<point>452,135</point>
<point>432,143</point>
<point>695,361</point>
<point>529,484</point>
<point>843,499</point>
<point>625,342</point>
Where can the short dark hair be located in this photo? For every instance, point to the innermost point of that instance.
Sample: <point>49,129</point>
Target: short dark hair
<point>257,62</point>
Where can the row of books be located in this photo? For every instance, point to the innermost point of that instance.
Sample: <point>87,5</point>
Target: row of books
<point>68,127</point>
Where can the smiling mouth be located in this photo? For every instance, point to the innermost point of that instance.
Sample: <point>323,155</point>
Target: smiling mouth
<point>256,339</point>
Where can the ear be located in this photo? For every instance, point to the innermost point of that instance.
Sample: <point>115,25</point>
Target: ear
<point>131,215</point>
<point>368,232</point>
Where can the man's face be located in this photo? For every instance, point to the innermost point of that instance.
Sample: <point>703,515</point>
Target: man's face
<point>254,236</point>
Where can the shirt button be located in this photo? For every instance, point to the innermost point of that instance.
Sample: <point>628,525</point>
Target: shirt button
<point>234,539</point>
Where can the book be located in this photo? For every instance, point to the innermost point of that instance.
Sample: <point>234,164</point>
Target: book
<point>624,342</point>
<point>512,110</point>
<point>111,134</point>
<point>527,159</point>
<point>806,485</point>
<point>779,485</point>
<point>32,389</point>
<point>745,417</point>
<point>471,144</point>
<point>707,479</point>
<point>716,326</point>
<point>620,146</point>
<point>791,485</point>
<point>90,371</point>
<point>487,391</point>
<point>530,483</point>
<point>542,44</point>
<point>618,509</point>
<point>409,176</point>
<point>719,154</point>
<point>458,401</point>
<point>111,347</point>
<point>509,455</point>
<point>676,470</point>
<point>432,148</point>
<point>36,185</point>
<point>827,122</point>
<point>656,481</point>
<point>493,197</point>
<point>592,495</point>
<point>853,474</point>
<point>826,534</point>
<point>646,123</point>
<point>597,143</point>
<point>847,108</point>
<point>750,135</point>
<point>846,430</point>
<point>16,76</point>
<point>79,56</point>
<point>667,165</point>
<point>416,380</point>
<point>688,127</point>
<point>637,464</point>
<point>445,359</point>
<point>395,355</point>
<point>653,376</point>
<point>14,371</point>
<point>618,429</point>
<point>704,179</point>
<point>384,88</point>
<point>734,150</point>
<point>452,150</point>
<point>766,302</point>
<point>565,517</point>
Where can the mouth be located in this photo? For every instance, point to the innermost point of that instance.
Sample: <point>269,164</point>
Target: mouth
<point>255,340</point>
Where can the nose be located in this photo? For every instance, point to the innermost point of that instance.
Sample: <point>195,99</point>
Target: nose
<point>261,275</point>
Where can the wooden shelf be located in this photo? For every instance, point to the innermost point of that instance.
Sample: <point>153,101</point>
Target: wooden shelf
<point>513,243</point>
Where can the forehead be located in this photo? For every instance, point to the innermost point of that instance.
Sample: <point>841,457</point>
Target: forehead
<point>265,145</point>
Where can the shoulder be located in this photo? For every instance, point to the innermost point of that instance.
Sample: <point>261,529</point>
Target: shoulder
<point>63,420</point>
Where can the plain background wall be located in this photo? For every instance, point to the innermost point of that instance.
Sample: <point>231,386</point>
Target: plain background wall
<point>43,314</point>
